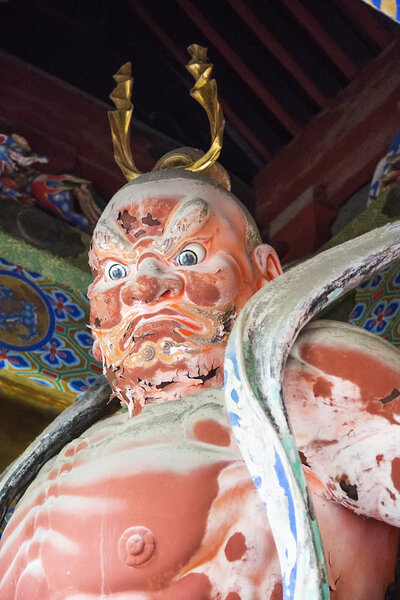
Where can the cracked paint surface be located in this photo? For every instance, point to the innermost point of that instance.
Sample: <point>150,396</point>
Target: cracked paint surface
<point>161,506</point>
<point>341,387</point>
<point>156,507</point>
<point>162,327</point>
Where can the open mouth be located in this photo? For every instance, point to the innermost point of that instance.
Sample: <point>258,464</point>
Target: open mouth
<point>152,324</point>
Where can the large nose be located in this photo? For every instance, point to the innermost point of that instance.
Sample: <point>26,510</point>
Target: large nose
<point>151,283</point>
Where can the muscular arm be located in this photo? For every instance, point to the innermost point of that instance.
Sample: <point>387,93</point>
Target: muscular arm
<point>342,391</point>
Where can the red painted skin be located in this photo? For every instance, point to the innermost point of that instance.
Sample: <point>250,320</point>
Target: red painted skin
<point>161,507</point>
<point>163,327</point>
<point>205,526</point>
<point>342,392</point>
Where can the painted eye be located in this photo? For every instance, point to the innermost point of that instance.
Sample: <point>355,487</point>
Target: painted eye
<point>191,255</point>
<point>116,271</point>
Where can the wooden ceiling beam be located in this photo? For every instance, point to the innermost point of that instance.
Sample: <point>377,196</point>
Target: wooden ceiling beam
<point>247,133</point>
<point>368,20</point>
<point>323,39</point>
<point>61,120</point>
<point>182,59</point>
<point>335,154</point>
<point>278,51</point>
<point>239,66</point>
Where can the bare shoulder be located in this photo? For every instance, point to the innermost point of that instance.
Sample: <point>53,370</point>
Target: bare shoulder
<point>347,366</point>
<point>342,390</point>
<point>354,344</point>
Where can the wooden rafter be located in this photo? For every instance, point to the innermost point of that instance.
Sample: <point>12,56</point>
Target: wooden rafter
<point>368,20</point>
<point>335,154</point>
<point>322,37</point>
<point>238,65</point>
<point>277,50</point>
<point>182,59</point>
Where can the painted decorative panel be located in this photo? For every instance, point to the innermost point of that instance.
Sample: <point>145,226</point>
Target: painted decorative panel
<point>377,305</point>
<point>391,8</point>
<point>45,345</point>
<point>377,301</point>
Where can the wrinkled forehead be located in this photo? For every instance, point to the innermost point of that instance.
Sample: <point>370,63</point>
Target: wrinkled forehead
<point>171,209</point>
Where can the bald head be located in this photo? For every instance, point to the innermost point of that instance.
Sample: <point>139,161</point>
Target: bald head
<point>200,196</point>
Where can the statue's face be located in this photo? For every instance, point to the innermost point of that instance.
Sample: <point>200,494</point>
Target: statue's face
<point>171,271</point>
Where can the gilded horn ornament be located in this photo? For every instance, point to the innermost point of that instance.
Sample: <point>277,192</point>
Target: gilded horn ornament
<point>204,91</point>
<point>120,120</point>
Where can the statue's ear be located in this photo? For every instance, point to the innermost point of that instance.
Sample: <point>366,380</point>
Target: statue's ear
<point>266,261</point>
<point>96,351</point>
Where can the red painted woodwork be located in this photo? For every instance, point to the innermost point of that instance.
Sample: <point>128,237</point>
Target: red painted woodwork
<point>322,37</point>
<point>181,58</point>
<point>289,63</point>
<point>334,154</point>
<point>63,123</point>
<point>366,17</point>
<point>239,65</point>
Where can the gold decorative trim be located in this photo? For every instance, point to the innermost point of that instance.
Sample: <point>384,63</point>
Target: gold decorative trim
<point>120,121</point>
<point>204,92</point>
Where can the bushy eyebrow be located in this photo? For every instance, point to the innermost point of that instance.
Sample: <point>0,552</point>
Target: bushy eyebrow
<point>104,236</point>
<point>186,222</point>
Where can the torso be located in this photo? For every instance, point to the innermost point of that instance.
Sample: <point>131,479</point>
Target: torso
<point>170,480</point>
<point>161,507</point>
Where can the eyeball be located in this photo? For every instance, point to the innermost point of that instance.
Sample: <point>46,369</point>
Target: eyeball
<point>191,255</point>
<point>116,271</point>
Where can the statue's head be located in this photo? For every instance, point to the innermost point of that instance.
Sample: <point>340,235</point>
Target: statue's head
<point>175,257</point>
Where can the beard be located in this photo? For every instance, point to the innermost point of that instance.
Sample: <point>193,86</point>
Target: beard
<point>165,355</point>
<point>160,381</point>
